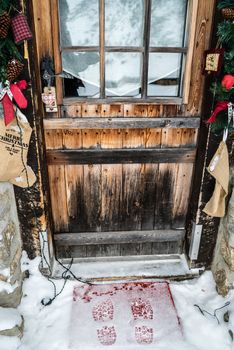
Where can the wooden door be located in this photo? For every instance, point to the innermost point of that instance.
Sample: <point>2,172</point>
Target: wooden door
<point>121,191</point>
<point>120,169</point>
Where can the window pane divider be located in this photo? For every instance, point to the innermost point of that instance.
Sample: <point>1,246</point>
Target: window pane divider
<point>168,49</point>
<point>126,49</point>
<point>147,12</point>
<point>102,47</point>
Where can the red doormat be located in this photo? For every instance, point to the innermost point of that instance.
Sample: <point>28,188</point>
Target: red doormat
<point>123,316</point>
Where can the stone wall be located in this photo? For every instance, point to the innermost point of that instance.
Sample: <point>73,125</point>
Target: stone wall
<point>10,249</point>
<point>223,263</point>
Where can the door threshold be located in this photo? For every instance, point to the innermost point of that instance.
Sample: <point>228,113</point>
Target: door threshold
<point>128,268</point>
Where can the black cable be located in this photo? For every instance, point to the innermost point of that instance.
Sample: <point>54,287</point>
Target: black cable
<point>203,311</point>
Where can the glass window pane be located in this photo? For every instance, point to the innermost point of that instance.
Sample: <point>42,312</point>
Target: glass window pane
<point>167,22</point>
<point>79,22</point>
<point>124,22</point>
<point>84,66</point>
<point>123,74</point>
<point>164,74</point>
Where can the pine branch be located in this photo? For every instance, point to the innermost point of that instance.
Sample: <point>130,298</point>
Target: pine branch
<point>225,4</point>
<point>229,62</point>
<point>222,94</point>
<point>225,33</point>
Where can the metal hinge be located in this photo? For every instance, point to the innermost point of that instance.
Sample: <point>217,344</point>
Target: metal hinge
<point>195,241</point>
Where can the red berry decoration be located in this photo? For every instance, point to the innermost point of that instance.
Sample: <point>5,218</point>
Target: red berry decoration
<point>228,81</point>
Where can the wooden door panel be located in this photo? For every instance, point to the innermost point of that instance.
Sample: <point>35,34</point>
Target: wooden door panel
<point>119,197</point>
<point>118,194</point>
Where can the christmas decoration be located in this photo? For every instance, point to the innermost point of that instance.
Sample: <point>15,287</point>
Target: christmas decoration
<point>5,22</point>
<point>49,99</point>
<point>14,144</point>
<point>223,88</point>
<point>10,58</point>
<point>220,106</point>
<point>219,169</point>
<point>213,61</point>
<point>227,82</point>
<point>14,68</point>
<point>20,29</point>
<point>227,9</point>
<point>8,94</point>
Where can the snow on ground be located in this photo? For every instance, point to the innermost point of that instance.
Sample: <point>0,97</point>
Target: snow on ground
<point>47,327</point>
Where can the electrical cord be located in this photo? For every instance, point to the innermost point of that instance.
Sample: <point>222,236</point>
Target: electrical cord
<point>203,311</point>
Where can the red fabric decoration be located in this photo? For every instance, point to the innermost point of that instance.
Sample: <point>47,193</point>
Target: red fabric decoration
<point>8,110</point>
<point>18,96</point>
<point>20,29</point>
<point>220,106</point>
<point>228,81</point>
<point>6,97</point>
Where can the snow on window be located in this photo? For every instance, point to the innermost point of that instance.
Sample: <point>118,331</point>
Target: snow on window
<point>124,22</point>
<point>124,27</point>
<point>167,22</point>
<point>84,66</point>
<point>79,22</point>
<point>164,73</point>
<point>123,74</point>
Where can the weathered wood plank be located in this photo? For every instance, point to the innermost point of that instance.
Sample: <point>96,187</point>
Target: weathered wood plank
<point>124,49</point>
<point>54,138</point>
<point>111,185</point>
<point>183,179</point>
<point>118,156</point>
<point>205,14</point>
<point>152,140</point>
<point>73,180</point>
<point>118,237</point>
<point>59,207</point>
<point>192,18</point>
<point>165,181</point>
<point>120,123</point>
<point>149,100</point>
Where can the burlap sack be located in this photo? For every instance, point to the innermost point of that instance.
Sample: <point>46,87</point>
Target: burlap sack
<point>219,169</point>
<point>14,143</point>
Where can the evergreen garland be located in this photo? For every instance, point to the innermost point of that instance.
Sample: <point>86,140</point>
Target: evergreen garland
<point>8,49</point>
<point>5,5</point>
<point>225,4</point>
<point>225,34</point>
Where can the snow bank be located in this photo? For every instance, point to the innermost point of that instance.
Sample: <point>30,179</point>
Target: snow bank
<point>9,318</point>
<point>48,327</point>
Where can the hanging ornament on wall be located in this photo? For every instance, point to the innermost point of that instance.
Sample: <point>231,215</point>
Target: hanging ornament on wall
<point>213,61</point>
<point>5,22</point>
<point>20,28</point>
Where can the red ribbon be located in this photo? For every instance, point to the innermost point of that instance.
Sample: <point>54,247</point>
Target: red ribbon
<point>13,92</point>
<point>220,106</point>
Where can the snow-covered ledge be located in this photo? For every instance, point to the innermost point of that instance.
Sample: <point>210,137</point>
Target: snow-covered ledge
<point>223,263</point>
<point>10,249</point>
